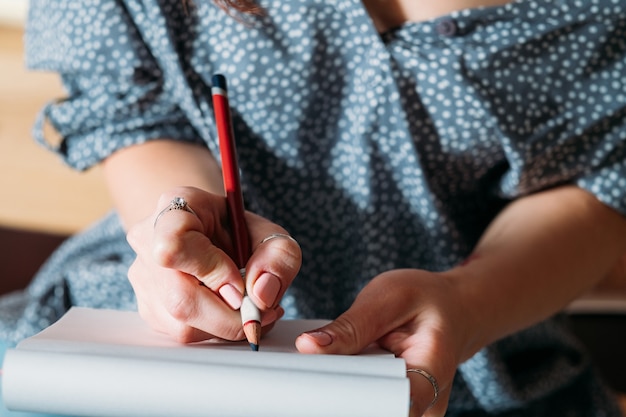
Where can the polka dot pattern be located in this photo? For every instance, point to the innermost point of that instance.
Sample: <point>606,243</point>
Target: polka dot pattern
<point>374,151</point>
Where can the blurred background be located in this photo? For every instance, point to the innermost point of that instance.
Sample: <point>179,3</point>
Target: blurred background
<point>33,180</point>
<point>41,200</point>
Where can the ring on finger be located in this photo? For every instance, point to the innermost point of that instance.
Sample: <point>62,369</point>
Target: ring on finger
<point>430,379</point>
<point>277,236</point>
<point>177,203</point>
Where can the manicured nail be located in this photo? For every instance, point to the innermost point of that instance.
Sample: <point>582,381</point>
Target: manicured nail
<point>232,297</point>
<point>321,337</point>
<point>266,289</point>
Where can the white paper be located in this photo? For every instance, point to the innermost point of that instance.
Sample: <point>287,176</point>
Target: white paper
<point>109,363</point>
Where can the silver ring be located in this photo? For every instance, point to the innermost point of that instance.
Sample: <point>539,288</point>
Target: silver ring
<point>276,236</point>
<point>430,379</point>
<point>177,203</point>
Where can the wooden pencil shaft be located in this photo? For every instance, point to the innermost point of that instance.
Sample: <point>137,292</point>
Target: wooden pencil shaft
<point>250,314</point>
<point>230,170</point>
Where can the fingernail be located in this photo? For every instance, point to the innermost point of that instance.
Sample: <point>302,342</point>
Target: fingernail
<point>232,297</point>
<point>321,337</point>
<point>266,288</point>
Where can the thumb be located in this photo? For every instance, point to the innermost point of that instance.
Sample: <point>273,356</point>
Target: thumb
<point>349,334</point>
<point>381,306</point>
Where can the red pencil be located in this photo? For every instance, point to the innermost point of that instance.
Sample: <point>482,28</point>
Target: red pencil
<point>250,315</point>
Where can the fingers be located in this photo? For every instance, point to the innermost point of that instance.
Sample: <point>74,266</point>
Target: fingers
<point>177,304</point>
<point>420,350</point>
<point>431,373</point>
<point>183,240</point>
<point>182,244</point>
<point>273,265</point>
<point>190,251</point>
<point>417,401</point>
<point>186,282</point>
<point>405,312</point>
<point>375,312</point>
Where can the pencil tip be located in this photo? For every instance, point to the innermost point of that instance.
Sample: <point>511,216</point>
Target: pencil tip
<point>252,329</point>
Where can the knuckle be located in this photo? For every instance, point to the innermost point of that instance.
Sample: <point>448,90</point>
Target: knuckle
<point>232,332</point>
<point>181,304</point>
<point>167,250</point>
<point>213,281</point>
<point>287,252</point>
<point>215,269</point>
<point>348,330</point>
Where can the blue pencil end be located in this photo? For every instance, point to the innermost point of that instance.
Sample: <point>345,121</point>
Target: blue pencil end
<point>219,81</point>
<point>254,347</point>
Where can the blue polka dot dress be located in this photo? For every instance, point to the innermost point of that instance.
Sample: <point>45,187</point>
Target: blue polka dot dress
<point>376,151</point>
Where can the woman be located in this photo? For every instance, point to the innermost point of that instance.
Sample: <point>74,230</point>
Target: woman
<point>440,178</point>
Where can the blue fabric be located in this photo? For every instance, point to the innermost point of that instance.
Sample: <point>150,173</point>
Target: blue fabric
<point>88,270</point>
<point>374,151</point>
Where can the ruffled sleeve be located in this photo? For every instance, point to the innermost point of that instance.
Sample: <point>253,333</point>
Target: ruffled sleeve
<point>115,88</point>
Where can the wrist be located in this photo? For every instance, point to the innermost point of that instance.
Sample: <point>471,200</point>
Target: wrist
<point>486,313</point>
<point>468,323</point>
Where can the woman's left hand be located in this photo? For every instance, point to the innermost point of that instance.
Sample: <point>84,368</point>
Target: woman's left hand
<point>435,321</point>
<point>412,313</point>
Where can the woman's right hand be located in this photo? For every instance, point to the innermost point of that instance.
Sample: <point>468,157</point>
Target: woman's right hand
<point>184,278</point>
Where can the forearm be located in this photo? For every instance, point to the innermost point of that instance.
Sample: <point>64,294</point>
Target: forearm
<point>538,255</point>
<point>137,175</point>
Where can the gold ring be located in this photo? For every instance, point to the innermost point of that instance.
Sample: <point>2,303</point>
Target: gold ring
<point>430,379</point>
<point>277,236</point>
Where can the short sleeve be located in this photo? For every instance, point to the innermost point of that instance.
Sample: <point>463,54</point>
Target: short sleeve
<point>567,124</point>
<point>115,89</point>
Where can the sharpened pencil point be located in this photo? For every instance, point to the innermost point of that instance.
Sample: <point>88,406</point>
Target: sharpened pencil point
<point>251,319</point>
<point>252,329</point>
